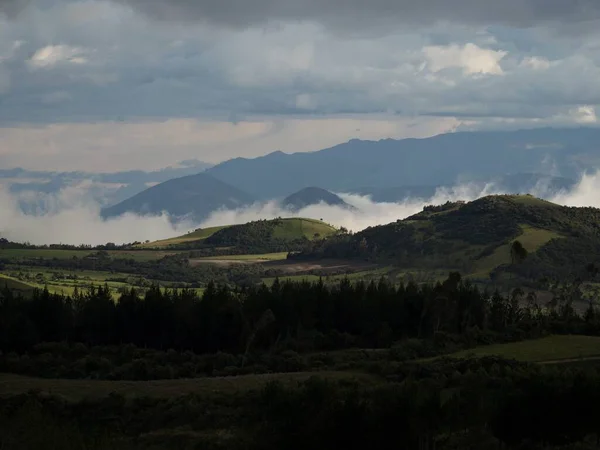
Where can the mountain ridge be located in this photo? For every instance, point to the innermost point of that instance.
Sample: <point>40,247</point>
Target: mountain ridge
<point>444,159</point>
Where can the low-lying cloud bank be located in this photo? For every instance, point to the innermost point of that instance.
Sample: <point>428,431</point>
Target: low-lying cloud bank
<point>369,213</point>
<point>73,218</point>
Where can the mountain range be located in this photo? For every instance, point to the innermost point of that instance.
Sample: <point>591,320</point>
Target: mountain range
<point>103,188</point>
<point>539,161</point>
<point>441,160</point>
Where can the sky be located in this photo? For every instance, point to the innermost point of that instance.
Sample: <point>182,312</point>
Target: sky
<point>108,85</point>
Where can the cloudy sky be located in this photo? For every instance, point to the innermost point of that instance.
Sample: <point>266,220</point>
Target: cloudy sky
<point>103,85</point>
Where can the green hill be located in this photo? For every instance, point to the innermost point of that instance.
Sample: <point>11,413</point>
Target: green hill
<point>262,236</point>
<point>475,238</point>
<point>194,236</point>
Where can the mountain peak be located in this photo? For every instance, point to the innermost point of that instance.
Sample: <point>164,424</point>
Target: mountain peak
<point>312,196</point>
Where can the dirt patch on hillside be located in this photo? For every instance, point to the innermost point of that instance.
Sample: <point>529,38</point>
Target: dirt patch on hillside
<point>224,262</point>
<point>323,266</point>
<point>291,267</point>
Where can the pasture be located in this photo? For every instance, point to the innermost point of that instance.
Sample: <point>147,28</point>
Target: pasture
<point>550,349</point>
<point>18,254</point>
<point>531,238</point>
<point>197,235</point>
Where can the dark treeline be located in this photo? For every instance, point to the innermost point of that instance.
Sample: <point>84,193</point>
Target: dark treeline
<point>302,316</point>
<point>6,244</point>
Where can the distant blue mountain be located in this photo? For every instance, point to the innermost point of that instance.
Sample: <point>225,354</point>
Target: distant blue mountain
<point>193,197</point>
<point>312,196</point>
<point>440,160</point>
<point>105,188</point>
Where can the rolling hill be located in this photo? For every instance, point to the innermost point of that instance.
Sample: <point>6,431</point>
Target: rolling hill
<point>263,236</point>
<point>475,238</point>
<point>193,196</point>
<point>312,196</point>
<point>436,161</point>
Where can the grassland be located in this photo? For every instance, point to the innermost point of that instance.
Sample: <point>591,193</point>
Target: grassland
<point>531,238</point>
<point>298,227</point>
<point>26,278</point>
<point>15,284</point>
<point>264,257</point>
<point>547,349</point>
<point>43,253</point>
<point>81,389</point>
<point>286,229</point>
<point>197,235</point>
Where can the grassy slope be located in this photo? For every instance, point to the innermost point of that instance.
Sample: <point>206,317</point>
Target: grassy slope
<point>474,237</point>
<point>198,235</point>
<point>14,284</point>
<point>297,227</point>
<point>531,238</point>
<point>551,348</point>
<point>262,257</point>
<point>290,228</point>
<point>43,253</point>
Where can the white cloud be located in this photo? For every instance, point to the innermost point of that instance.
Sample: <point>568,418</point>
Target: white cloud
<point>306,101</point>
<point>369,213</point>
<point>536,63</point>
<point>74,219</point>
<point>586,193</point>
<point>52,55</point>
<point>471,58</point>
<point>584,114</point>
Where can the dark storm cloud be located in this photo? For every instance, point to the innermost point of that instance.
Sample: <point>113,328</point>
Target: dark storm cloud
<point>365,13</point>
<point>11,8</point>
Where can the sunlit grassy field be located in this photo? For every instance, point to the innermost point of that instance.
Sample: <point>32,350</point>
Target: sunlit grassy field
<point>263,257</point>
<point>197,235</point>
<point>551,348</point>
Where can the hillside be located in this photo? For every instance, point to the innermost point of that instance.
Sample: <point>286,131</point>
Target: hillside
<point>476,237</point>
<point>194,196</point>
<point>312,196</point>
<point>436,161</point>
<point>262,236</point>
